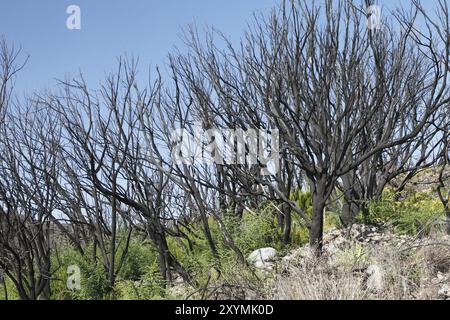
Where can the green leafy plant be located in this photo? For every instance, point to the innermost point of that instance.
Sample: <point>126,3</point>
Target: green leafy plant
<point>413,215</point>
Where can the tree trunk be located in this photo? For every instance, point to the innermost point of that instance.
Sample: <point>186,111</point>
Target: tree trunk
<point>46,293</point>
<point>287,225</point>
<point>112,259</point>
<point>316,230</point>
<point>347,213</point>
<point>166,260</point>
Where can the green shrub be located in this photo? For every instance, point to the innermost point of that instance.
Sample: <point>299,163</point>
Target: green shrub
<point>94,281</point>
<point>10,288</point>
<point>60,261</point>
<point>139,257</point>
<point>299,233</point>
<point>412,215</point>
<point>331,220</point>
<point>93,278</point>
<point>303,200</point>
<point>354,257</point>
<point>255,230</point>
<point>149,287</point>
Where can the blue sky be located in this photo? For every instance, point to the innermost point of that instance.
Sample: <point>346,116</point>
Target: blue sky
<point>147,29</point>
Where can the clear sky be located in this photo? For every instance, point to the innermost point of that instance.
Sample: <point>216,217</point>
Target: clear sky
<point>147,29</point>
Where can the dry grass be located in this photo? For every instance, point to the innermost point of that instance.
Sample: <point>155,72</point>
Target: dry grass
<point>417,269</point>
<point>409,272</point>
<point>318,283</point>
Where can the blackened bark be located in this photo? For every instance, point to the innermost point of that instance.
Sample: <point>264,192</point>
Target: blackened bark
<point>287,225</point>
<point>319,197</point>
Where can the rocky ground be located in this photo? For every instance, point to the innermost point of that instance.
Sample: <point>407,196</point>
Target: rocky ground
<point>365,262</point>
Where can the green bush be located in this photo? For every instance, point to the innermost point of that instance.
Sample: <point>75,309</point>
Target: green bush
<point>255,230</point>
<point>139,257</point>
<point>413,215</point>
<point>94,281</point>
<point>303,200</point>
<point>354,257</point>
<point>10,288</point>
<point>299,233</point>
<point>149,287</point>
<point>93,278</point>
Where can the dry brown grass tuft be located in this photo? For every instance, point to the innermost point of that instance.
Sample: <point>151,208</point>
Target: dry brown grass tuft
<point>318,283</point>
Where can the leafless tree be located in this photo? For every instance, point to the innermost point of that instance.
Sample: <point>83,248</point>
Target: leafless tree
<point>27,201</point>
<point>113,162</point>
<point>9,67</point>
<point>336,90</point>
<point>353,109</point>
<point>27,198</point>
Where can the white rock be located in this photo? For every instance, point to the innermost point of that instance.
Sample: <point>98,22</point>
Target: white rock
<point>262,255</point>
<point>265,265</point>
